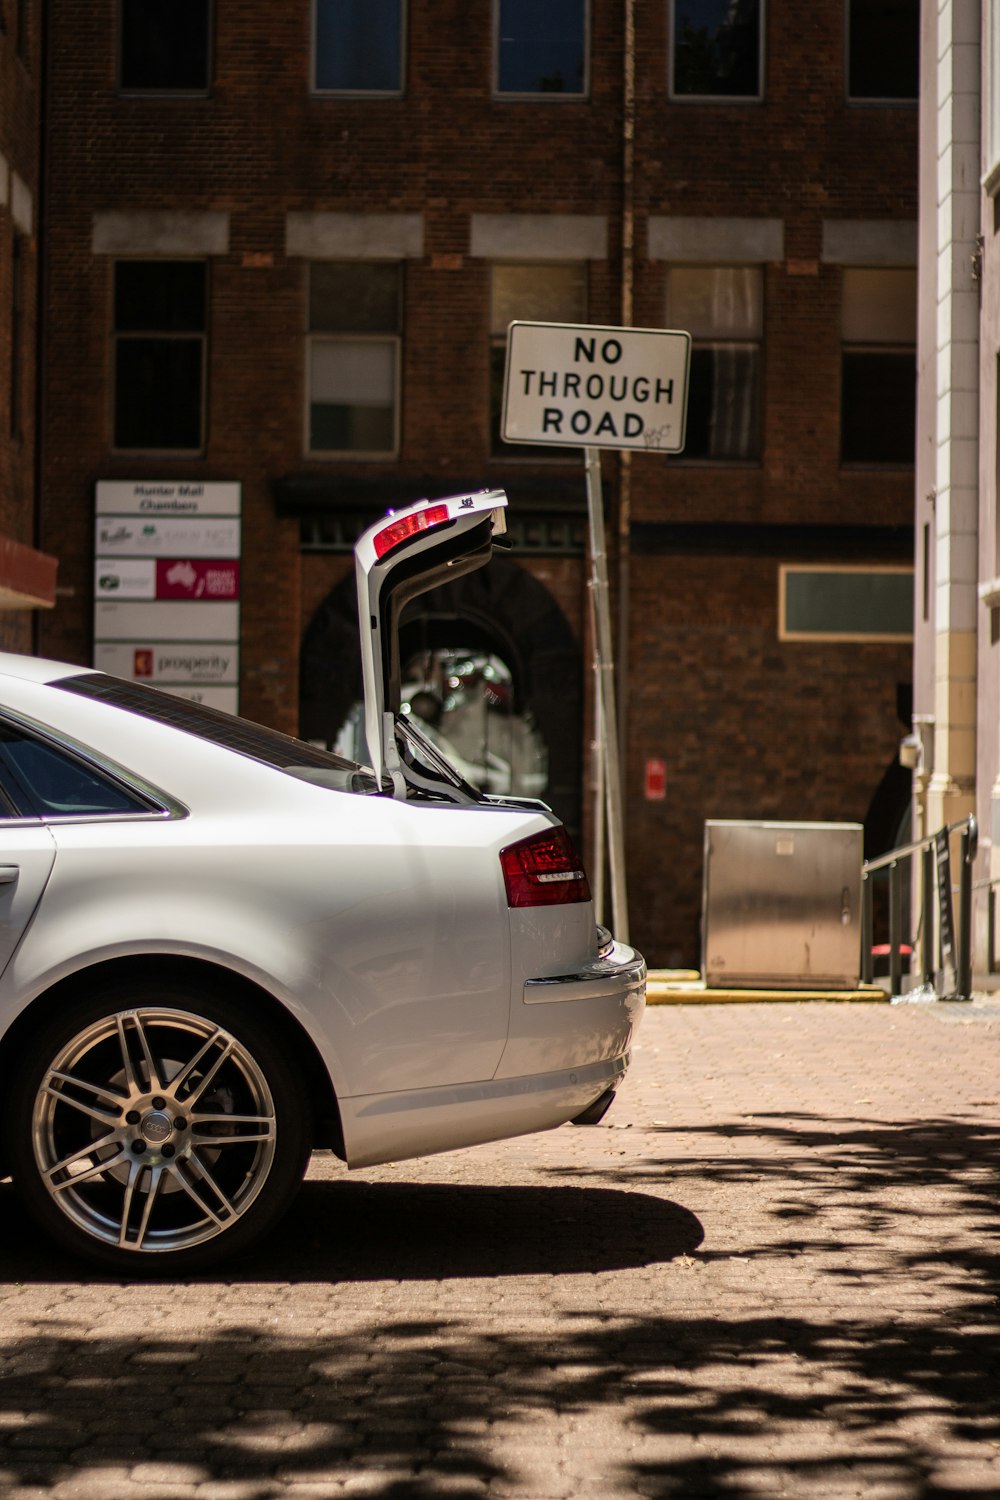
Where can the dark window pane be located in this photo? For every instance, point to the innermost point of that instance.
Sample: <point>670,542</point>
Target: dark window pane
<point>351,429</point>
<point>164,44</point>
<point>541,46</point>
<point>255,741</point>
<point>41,780</point>
<point>359,45</point>
<point>158,393</point>
<point>878,407</point>
<point>848,603</point>
<point>161,296</point>
<point>723,417</point>
<point>353,297</point>
<point>717,48</point>
<point>884,49</point>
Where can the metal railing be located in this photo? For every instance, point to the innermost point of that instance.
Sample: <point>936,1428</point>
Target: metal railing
<point>945,949</point>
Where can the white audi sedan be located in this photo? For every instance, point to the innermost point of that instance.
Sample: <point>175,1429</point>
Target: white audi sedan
<point>221,947</point>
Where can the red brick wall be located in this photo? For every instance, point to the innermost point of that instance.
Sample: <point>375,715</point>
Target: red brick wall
<point>19,129</point>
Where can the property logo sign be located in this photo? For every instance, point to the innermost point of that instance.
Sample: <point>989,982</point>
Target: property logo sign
<point>167,586</point>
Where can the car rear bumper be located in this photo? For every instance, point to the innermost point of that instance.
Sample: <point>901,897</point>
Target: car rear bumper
<point>569,1043</point>
<point>392,1127</point>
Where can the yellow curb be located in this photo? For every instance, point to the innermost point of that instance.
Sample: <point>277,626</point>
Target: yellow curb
<point>685,987</point>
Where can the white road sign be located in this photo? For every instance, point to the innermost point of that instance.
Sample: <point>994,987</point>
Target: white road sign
<point>595,387</point>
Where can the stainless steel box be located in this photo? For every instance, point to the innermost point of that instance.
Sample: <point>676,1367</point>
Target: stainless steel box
<point>782,904</point>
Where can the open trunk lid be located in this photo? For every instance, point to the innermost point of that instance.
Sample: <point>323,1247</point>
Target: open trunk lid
<point>405,554</point>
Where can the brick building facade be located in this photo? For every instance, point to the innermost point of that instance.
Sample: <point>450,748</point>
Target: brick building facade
<point>310,249</point>
<point>27,577</point>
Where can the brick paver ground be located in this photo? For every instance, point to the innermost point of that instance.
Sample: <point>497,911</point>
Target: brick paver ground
<point>772,1271</point>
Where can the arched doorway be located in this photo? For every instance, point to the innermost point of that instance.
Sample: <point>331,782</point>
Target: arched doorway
<point>498,655</point>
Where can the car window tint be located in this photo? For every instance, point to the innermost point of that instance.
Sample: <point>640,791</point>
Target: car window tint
<point>41,780</point>
<point>241,735</point>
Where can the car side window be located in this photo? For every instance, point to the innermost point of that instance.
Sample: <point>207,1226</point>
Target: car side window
<point>40,780</point>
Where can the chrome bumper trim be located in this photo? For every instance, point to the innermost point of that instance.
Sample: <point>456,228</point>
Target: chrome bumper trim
<point>621,972</point>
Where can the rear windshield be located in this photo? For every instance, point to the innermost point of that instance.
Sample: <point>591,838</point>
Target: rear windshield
<point>308,762</point>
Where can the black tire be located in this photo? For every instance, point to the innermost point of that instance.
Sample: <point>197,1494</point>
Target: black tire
<point>156,1129</point>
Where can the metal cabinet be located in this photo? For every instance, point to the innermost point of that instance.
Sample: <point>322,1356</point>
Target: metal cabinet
<point>782,904</point>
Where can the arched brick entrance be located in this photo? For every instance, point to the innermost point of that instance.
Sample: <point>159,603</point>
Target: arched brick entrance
<point>502,609</point>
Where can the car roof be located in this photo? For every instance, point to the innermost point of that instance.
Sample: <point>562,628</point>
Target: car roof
<point>37,668</point>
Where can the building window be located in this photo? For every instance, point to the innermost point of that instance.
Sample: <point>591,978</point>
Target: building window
<point>540,292</point>
<point>722,307</point>
<point>821,603</point>
<point>883,49</point>
<point>716,49</point>
<point>358,46</point>
<point>353,358</point>
<point>878,367</point>
<point>164,48</point>
<point>160,338</point>
<point>541,47</point>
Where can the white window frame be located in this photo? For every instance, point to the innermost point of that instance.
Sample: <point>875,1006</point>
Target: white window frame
<point>842,637</point>
<point>355,336</point>
<point>723,100</point>
<point>510,453</point>
<point>542,96</point>
<point>874,347</point>
<point>891,101</point>
<point>324,93</point>
<point>701,341</point>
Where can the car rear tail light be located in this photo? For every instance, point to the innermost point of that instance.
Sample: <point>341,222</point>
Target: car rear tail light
<point>544,870</point>
<point>404,527</point>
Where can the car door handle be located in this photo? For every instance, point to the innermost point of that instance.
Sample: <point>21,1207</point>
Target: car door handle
<point>8,874</point>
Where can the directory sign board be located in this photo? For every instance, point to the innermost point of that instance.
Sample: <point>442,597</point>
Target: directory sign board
<point>596,387</point>
<point>167,586</point>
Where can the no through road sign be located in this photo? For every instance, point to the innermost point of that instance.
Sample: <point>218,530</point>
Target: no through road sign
<point>596,387</point>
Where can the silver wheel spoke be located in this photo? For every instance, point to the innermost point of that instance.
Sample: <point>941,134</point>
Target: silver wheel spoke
<point>197,1198</point>
<point>97,1170</point>
<point>155,1178</point>
<point>105,1117</point>
<point>205,1082</point>
<point>265,1122</point>
<point>180,1079</point>
<point>155,1081</point>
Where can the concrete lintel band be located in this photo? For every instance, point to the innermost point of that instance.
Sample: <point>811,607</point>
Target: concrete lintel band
<point>870,242</point>
<point>160,233</point>
<point>538,237</point>
<point>334,236</point>
<point>716,241</point>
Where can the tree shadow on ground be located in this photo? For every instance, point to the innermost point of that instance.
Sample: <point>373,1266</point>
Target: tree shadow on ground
<point>925,1188</point>
<point>692,1398</point>
<point>702,1406</point>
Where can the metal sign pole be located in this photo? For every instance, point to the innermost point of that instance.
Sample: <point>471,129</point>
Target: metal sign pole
<point>606,677</point>
<point>597,766</point>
